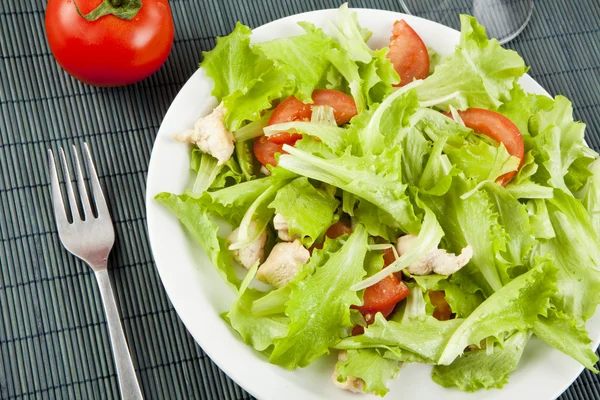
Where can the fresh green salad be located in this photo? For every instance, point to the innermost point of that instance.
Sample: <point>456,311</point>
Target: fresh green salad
<point>393,206</point>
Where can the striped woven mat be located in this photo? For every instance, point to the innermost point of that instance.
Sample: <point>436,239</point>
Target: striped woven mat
<point>53,336</point>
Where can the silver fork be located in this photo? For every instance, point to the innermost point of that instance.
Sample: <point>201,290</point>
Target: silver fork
<point>91,238</point>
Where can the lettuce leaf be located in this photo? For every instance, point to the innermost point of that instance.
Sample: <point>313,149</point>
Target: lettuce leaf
<point>375,220</point>
<point>471,221</point>
<point>349,70</point>
<point>197,221</point>
<point>369,73</point>
<point>373,178</point>
<point>461,303</point>
<point>480,73</point>
<point>270,85</point>
<point>515,306</point>
<point>427,239</point>
<point>258,332</point>
<point>591,197</point>
<point>514,219</point>
<point>231,203</point>
<point>575,249</point>
<point>319,305</point>
<point>559,148</point>
<point>231,63</point>
<point>370,366</point>
<point>563,333</point>
<point>308,211</point>
<point>379,77</point>
<point>425,337</point>
<point>351,36</point>
<point>302,59</point>
<point>481,160</point>
<point>383,125</point>
<point>479,370</point>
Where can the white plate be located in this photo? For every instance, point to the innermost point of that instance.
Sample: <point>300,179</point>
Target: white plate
<point>200,296</point>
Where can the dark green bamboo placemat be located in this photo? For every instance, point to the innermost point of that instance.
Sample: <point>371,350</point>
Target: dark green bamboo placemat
<point>53,337</point>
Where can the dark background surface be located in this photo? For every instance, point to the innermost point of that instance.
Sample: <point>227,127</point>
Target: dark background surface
<point>53,335</point>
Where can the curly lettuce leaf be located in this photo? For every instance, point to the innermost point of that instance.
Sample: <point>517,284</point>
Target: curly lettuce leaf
<point>231,203</point>
<point>379,77</point>
<point>559,149</point>
<point>521,107</point>
<point>274,302</point>
<point>515,306</point>
<point>308,211</point>
<point>384,125</point>
<point>197,221</point>
<point>591,197</point>
<point>369,365</point>
<point>369,73</point>
<point>426,337</point>
<point>478,369</point>
<point>319,305</point>
<point>436,176</point>
<point>563,333</point>
<point>373,178</point>
<point>302,59</point>
<point>351,36</point>
<point>375,220</point>
<point>514,219</point>
<point>482,160</point>
<point>231,63</point>
<point>480,73</point>
<point>270,85</point>
<point>258,332</point>
<point>331,135</point>
<point>461,302</point>
<point>575,249</point>
<point>471,221</point>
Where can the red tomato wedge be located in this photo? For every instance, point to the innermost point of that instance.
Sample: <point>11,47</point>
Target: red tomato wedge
<point>291,109</point>
<point>334,231</point>
<point>388,257</point>
<point>338,229</point>
<point>499,128</point>
<point>383,295</point>
<point>265,150</point>
<point>408,53</point>
<point>344,107</point>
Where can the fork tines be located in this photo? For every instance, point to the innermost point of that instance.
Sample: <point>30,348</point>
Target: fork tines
<point>98,197</point>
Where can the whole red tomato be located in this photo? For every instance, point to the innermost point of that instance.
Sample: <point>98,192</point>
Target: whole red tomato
<point>109,50</point>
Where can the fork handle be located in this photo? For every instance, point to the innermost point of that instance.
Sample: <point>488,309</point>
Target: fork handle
<point>128,384</point>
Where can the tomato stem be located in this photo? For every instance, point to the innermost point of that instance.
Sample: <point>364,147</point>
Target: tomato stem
<point>124,9</point>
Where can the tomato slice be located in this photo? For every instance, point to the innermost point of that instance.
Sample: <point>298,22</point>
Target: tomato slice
<point>499,128</point>
<point>291,109</point>
<point>388,257</point>
<point>265,150</point>
<point>338,229</point>
<point>334,231</point>
<point>408,53</point>
<point>344,107</point>
<point>383,295</point>
<point>442,311</point>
